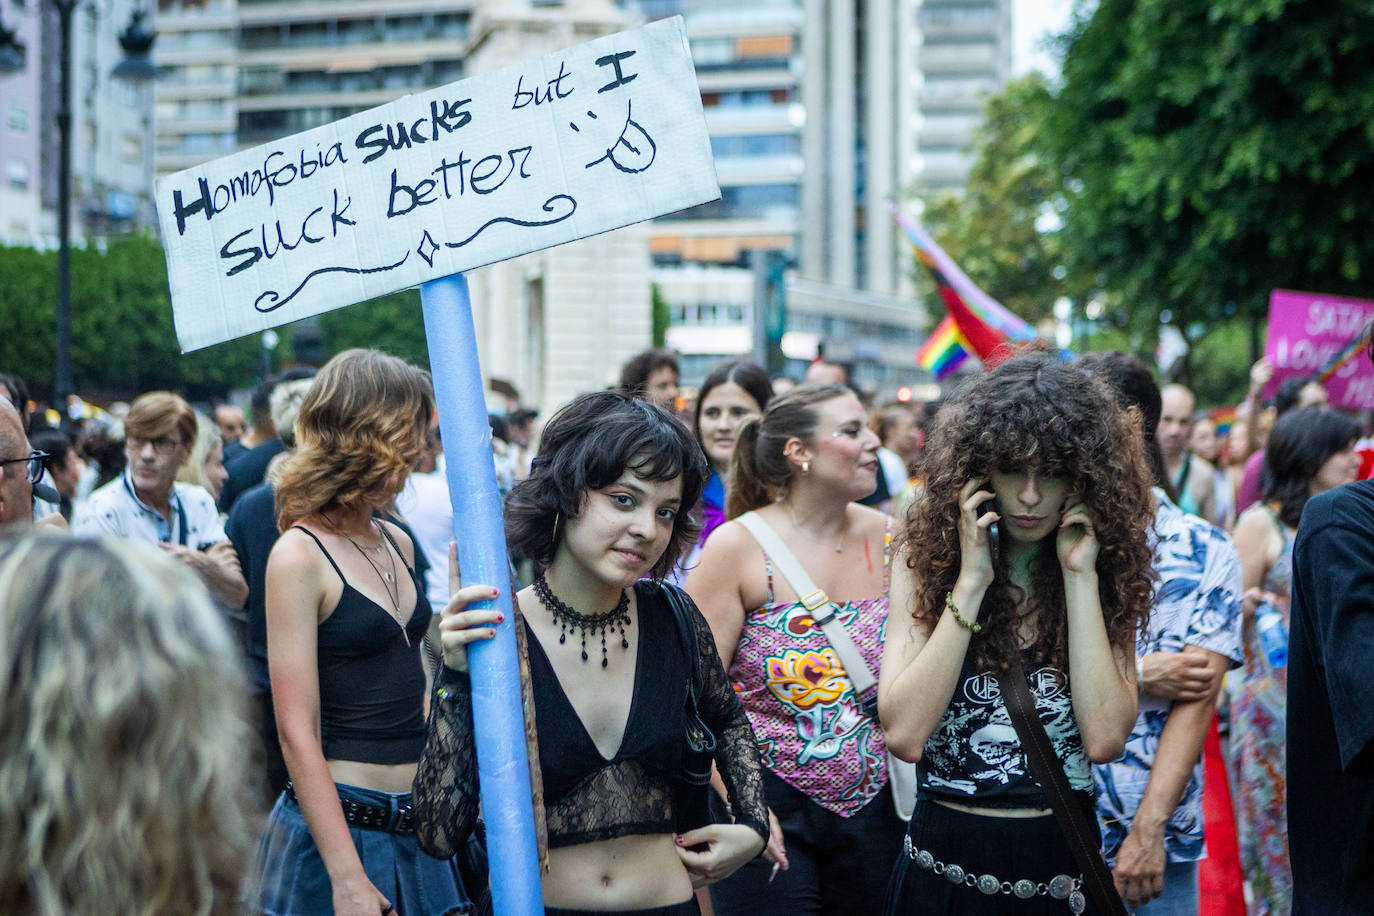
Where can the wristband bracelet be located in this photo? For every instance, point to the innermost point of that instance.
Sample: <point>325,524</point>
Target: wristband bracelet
<point>963,622</point>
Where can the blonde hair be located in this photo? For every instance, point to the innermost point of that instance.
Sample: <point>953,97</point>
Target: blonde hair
<point>161,413</point>
<point>285,403</point>
<point>361,427</point>
<point>123,785</point>
<point>207,437</point>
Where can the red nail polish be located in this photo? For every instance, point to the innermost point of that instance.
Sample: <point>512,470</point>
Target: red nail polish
<point>677,840</point>
<point>500,618</point>
<point>496,593</point>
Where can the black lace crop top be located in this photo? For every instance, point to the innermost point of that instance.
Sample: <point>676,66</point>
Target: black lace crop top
<point>587,797</point>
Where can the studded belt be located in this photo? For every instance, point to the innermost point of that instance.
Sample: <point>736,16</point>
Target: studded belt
<point>369,817</point>
<point>1060,887</point>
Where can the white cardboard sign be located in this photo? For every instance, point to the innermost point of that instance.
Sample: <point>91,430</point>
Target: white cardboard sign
<point>586,140</point>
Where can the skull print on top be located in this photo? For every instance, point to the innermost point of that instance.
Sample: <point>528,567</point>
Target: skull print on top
<point>974,751</point>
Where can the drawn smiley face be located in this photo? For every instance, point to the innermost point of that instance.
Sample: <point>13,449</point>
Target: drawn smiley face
<point>632,151</point>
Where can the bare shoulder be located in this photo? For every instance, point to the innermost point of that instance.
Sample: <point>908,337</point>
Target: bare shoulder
<point>1254,522</point>
<point>728,540</point>
<point>402,540</point>
<point>868,519</point>
<point>294,550</point>
<point>1257,529</point>
<point>299,575</point>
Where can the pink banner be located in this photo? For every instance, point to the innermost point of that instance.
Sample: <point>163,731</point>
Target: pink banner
<point>1306,330</point>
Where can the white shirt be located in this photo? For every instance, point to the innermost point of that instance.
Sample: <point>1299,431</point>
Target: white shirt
<point>426,507</point>
<point>116,509</point>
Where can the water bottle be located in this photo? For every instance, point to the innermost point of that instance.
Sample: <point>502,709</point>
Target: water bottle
<point>1272,633</point>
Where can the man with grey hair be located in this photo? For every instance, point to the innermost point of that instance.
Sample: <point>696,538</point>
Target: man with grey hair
<point>17,469</point>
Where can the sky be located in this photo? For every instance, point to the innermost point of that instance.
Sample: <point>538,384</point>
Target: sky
<point>1031,22</point>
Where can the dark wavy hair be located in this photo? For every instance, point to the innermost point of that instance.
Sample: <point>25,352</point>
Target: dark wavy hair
<point>588,445</point>
<point>749,376</point>
<point>634,375</point>
<point>359,430</point>
<point>1135,387</point>
<point>1301,441</point>
<point>1035,412</point>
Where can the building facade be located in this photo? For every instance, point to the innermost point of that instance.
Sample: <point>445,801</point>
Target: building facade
<point>196,108</point>
<point>20,125</point>
<point>965,55</point>
<point>111,128</point>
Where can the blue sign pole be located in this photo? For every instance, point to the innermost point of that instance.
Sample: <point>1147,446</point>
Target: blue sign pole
<point>479,531</point>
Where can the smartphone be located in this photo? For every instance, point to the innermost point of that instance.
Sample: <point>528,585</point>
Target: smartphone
<point>993,535</point>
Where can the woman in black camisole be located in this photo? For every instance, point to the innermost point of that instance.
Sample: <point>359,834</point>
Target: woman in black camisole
<point>1029,542</point>
<point>605,515</point>
<point>346,618</point>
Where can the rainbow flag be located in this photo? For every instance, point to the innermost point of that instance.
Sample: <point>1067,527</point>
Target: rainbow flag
<point>1223,418</point>
<point>944,350</point>
<point>976,324</point>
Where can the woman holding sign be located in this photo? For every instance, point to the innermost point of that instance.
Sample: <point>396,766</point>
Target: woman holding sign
<point>623,668</point>
<point>346,617</point>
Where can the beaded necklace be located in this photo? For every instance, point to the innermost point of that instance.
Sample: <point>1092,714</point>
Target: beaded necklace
<point>567,618</point>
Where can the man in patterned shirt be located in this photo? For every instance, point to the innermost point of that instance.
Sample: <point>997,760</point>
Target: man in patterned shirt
<point>1149,802</point>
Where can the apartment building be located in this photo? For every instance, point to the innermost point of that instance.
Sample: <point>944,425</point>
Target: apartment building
<point>111,128</point>
<point>965,55</point>
<point>811,114</point>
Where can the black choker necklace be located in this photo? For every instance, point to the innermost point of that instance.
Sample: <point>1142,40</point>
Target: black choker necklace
<point>566,617</point>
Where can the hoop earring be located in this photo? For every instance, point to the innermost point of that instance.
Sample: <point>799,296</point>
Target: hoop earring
<point>556,517</point>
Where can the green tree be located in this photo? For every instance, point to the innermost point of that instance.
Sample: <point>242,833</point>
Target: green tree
<point>1212,150</point>
<point>123,340</point>
<point>1001,228</point>
<point>392,323</point>
<point>661,318</point>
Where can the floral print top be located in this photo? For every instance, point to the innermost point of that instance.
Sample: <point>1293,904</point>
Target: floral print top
<point>812,731</point>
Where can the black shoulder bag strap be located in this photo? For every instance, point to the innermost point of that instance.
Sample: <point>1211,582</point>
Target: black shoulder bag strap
<point>1083,838</point>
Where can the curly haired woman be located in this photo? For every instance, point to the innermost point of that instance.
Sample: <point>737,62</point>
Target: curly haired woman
<point>346,615</point>
<point>122,728</point>
<point>1041,449</point>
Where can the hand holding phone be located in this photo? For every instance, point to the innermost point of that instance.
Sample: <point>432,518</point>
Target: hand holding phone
<point>994,532</point>
<point>977,518</point>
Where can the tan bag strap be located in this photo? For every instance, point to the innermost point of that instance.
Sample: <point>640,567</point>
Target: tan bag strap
<point>824,612</point>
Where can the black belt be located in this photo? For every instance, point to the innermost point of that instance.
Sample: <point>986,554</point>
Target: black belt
<point>369,817</point>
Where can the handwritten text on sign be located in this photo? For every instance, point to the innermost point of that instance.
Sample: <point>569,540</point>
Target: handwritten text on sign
<point>1306,330</point>
<point>596,137</point>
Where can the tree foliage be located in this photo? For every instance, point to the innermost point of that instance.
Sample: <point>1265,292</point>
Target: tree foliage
<point>1212,150</point>
<point>391,323</point>
<point>123,341</point>
<point>122,336</point>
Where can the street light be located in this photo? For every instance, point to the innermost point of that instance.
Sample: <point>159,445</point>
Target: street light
<point>137,42</point>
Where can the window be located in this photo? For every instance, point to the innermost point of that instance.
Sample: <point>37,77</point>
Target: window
<point>17,174</point>
<point>756,145</point>
<point>131,148</point>
<point>19,116</point>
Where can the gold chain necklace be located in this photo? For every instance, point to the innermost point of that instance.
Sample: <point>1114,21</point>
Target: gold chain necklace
<point>387,577</point>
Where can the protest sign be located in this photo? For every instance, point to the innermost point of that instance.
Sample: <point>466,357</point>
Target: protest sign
<point>576,143</point>
<point>1307,331</point>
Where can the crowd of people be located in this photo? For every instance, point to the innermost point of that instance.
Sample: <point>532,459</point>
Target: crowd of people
<point>788,650</point>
